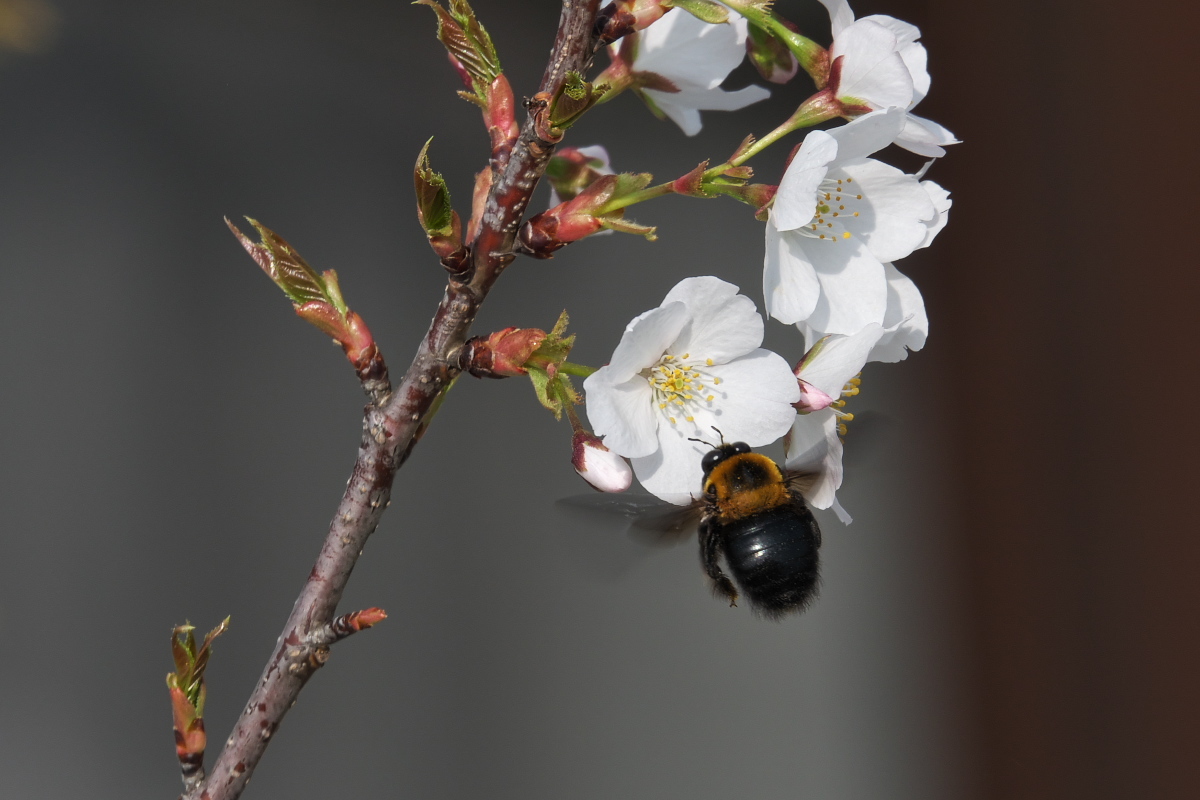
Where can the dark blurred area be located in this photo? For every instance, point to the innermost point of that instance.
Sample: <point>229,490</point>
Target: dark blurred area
<point>1012,613</point>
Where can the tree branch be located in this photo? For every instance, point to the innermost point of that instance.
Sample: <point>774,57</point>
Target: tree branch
<point>392,425</point>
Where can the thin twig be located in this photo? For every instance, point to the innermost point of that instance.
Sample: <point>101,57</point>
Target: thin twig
<point>391,429</point>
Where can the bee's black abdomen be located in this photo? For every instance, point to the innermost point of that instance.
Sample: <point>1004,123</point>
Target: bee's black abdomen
<point>772,556</point>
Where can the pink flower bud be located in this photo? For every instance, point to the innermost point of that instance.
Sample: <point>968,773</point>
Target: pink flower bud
<point>599,466</point>
<point>812,399</point>
<point>503,354</point>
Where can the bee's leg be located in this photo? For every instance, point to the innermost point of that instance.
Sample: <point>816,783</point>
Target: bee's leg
<point>710,547</point>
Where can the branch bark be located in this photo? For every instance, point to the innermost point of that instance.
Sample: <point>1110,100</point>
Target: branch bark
<point>392,428</point>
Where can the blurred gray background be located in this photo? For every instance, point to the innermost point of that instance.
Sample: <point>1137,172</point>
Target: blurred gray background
<point>1001,620</point>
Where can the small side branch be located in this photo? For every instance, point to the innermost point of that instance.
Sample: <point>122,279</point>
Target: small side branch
<point>373,375</point>
<point>345,625</point>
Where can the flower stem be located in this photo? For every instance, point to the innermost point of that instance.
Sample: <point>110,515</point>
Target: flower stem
<point>812,112</point>
<point>581,370</point>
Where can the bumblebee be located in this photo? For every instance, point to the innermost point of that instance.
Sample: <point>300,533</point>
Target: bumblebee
<point>753,516</point>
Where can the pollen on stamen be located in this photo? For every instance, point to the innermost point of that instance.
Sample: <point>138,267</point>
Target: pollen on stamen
<point>858,197</point>
<point>691,419</point>
<point>841,428</point>
<point>716,380</point>
<point>673,421</point>
<point>846,235</point>
<point>708,361</point>
<point>710,398</point>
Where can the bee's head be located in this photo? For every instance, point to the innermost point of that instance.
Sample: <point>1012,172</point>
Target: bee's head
<point>720,453</point>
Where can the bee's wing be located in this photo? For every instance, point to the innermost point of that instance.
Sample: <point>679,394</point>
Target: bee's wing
<point>670,525</point>
<point>629,506</point>
<point>649,519</point>
<point>801,481</point>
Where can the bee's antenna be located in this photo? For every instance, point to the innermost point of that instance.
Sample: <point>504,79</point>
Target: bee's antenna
<point>718,430</point>
<point>701,441</point>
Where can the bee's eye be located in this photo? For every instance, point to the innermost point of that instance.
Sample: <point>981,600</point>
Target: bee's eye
<point>711,460</point>
<point>740,447</point>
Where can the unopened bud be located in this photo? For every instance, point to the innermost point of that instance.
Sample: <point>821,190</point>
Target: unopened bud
<point>770,55</point>
<point>583,215</point>
<point>500,117</point>
<point>503,354</point>
<point>602,468</point>
<point>811,398</point>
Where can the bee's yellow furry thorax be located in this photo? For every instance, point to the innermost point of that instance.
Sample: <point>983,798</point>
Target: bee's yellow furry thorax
<point>746,484</point>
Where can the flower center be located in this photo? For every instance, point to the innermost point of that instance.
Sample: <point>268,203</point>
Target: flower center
<point>838,206</point>
<point>682,384</point>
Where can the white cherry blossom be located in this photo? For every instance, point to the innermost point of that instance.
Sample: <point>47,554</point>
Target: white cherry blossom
<point>906,325</point>
<point>691,365</point>
<point>827,375</point>
<point>838,218</point>
<point>695,57</point>
<point>875,48</point>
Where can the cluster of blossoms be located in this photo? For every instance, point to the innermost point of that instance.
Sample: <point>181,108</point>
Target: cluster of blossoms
<point>835,225</point>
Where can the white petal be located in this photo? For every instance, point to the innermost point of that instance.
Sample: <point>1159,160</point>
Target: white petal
<point>914,56</point>
<point>754,399</point>
<point>839,359</point>
<point>724,324</point>
<point>872,71</point>
<point>893,218</point>
<point>906,322</point>
<point>645,340</point>
<point>686,117</point>
<point>623,414</point>
<point>924,137</point>
<point>673,472</point>
<point>941,203</point>
<point>814,447</point>
<point>864,135</point>
<point>840,15</point>
<point>853,287</point>
<point>683,107</point>
<point>796,200</point>
<point>684,49</point>
<point>790,287</point>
